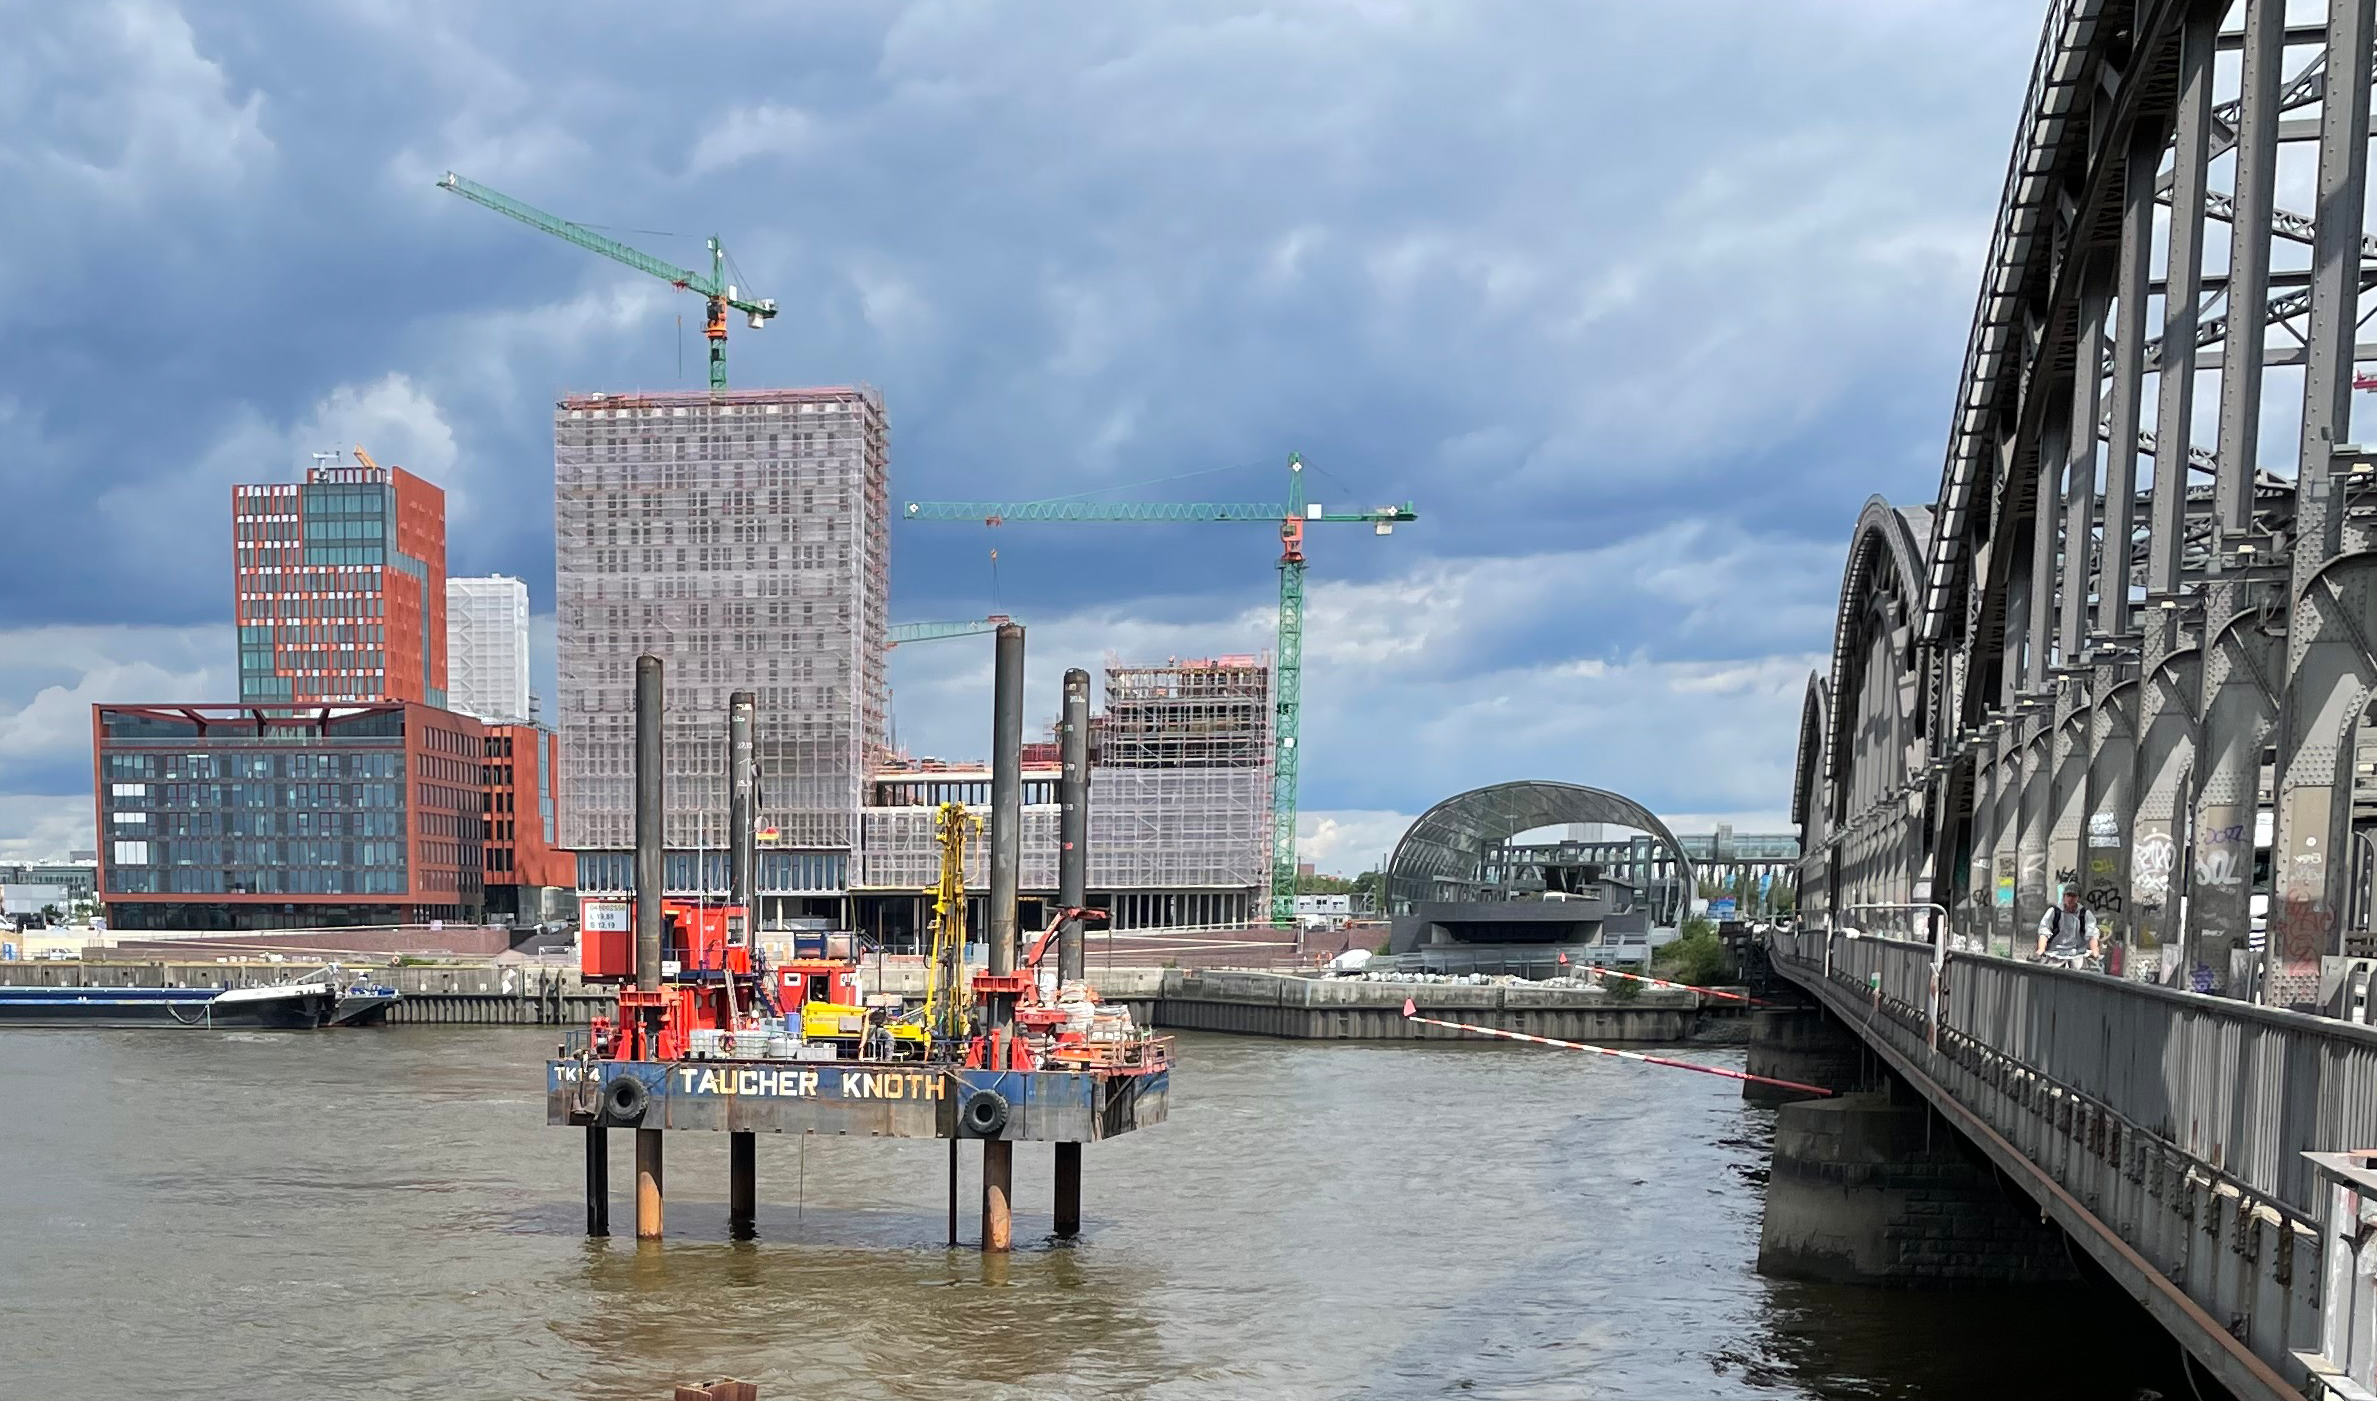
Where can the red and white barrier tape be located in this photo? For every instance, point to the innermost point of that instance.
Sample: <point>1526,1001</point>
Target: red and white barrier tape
<point>1687,987</point>
<point>1411,1013</point>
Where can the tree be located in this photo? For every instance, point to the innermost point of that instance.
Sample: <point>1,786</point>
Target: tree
<point>51,914</point>
<point>1318,884</point>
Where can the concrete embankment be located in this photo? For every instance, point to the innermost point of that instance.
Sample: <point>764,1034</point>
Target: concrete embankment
<point>1251,1003</point>
<point>1243,1003</point>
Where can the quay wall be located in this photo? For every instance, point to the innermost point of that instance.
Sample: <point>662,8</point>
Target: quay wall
<point>1241,1003</point>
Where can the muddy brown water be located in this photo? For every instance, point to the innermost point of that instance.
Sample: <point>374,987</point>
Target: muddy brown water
<point>385,1214</point>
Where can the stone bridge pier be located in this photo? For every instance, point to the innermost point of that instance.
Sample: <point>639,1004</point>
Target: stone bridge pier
<point>1871,1186</point>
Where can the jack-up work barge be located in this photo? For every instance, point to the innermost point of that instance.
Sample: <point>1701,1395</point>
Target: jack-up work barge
<point>707,1038</point>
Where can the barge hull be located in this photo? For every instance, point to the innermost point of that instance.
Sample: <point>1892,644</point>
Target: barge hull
<point>119,1008</point>
<point>894,1099</point>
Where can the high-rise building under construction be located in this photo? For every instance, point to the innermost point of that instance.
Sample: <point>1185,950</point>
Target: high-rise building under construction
<point>743,537</point>
<point>1179,808</point>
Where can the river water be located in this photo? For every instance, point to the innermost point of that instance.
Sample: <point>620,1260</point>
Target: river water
<point>385,1214</point>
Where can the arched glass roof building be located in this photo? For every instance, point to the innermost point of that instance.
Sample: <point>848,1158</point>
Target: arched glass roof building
<point>1447,854</point>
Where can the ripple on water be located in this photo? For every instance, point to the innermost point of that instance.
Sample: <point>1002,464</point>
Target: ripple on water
<point>387,1214</point>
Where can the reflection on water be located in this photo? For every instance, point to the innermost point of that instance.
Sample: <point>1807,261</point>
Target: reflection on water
<point>384,1213</point>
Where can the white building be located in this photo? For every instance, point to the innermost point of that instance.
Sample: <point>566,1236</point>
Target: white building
<point>487,648</point>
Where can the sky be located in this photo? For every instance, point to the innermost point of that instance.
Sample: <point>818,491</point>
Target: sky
<point>1636,304</point>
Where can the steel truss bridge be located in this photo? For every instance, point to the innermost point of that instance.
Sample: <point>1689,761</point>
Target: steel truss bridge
<point>2142,610</point>
<point>2138,621</point>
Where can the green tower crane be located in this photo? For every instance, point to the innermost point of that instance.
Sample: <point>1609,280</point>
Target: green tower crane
<point>1290,517</point>
<point>713,288</point>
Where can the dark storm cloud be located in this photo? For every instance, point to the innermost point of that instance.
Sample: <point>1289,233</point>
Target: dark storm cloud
<point>1670,287</point>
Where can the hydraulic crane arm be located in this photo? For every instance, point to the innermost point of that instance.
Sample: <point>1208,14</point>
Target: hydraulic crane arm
<point>586,238</point>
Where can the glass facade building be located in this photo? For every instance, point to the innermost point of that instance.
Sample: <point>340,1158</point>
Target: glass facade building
<point>249,817</point>
<point>339,587</point>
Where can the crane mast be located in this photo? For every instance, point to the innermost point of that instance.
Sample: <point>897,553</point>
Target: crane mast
<point>1291,517</point>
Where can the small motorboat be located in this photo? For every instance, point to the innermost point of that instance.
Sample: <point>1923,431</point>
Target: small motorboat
<point>364,1004</point>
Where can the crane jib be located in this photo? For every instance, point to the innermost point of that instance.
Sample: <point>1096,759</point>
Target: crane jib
<point>712,287</point>
<point>1157,512</point>
<point>1291,516</point>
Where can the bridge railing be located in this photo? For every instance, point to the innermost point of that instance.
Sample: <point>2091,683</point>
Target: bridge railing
<point>2244,1090</point>
<point>1897,972</point>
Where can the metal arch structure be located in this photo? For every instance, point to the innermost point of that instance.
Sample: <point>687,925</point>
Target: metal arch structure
<point>1853,772</point>
<point>2105,627</point>
<point>1809,812</point>
<point>1442,853</point>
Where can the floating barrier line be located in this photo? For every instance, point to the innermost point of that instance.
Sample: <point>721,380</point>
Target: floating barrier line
<point>1411,1013</point>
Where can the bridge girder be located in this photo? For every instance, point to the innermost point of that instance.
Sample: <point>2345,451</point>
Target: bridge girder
<point>2072,663</point>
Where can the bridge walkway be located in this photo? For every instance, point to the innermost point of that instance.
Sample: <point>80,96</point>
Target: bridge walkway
<point>2164,1131</point>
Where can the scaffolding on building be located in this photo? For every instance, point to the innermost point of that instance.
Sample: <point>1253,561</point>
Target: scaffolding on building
<point>1182,760</point>
<point>1180,801</point>
<point>743,537</point>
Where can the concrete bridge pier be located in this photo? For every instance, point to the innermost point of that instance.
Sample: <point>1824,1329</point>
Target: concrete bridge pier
<point>1803,1044</point>
<point>1871,1187</point>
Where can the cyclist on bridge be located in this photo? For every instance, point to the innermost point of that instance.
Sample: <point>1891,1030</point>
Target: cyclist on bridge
<point>2066,927</point>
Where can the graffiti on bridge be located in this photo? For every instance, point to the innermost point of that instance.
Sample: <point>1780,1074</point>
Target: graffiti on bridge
<point>2150,868</point>
<point>2301,928</point>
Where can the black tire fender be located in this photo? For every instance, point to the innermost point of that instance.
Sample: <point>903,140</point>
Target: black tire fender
<point>625,1100</point>
<point>982,1114</point>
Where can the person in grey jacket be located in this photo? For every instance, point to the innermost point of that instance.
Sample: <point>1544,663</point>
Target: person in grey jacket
<point>2066,928</point>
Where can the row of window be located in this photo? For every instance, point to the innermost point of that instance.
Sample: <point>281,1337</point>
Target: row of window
<point>825,404</point>
<point>438,766</point>
<point>443,798</point>
<point>345,554</point>
<point>451,876</point>
<point>369,763</point>
<point>661,587</point>
<point>262,823</point>
<point>264,501</point>
<point>776,873</point>
<point>335,529</point>
<point>666,447</point>
<point>343,499</point>
<point>260,857</point>
<point>467,826</point>
<point>239,730</point>
<point>629,560</point>
<point>191,797</point>
<point>312,594</point>
<point>286,880</point>
<point>265,636</point>
<point>584,468</point>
